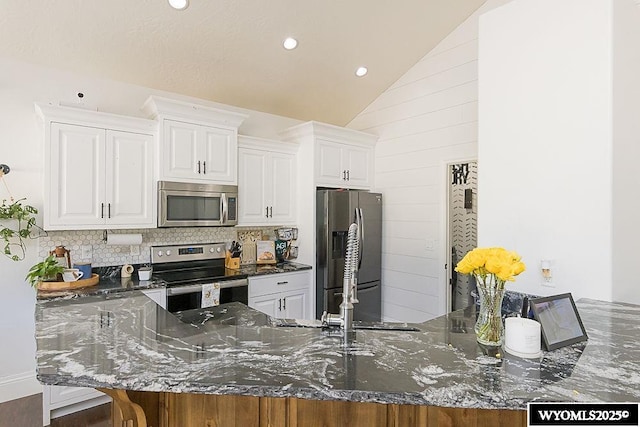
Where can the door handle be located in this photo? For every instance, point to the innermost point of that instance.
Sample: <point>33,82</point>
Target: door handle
<point>204,167</point>
<point>224,208</point>
<point>360,222</point>
<point>198,166</point>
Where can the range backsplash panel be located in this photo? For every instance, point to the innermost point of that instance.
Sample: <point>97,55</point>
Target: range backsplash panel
<point>108,255</point>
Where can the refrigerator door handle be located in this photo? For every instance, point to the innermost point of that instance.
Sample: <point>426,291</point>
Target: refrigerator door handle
<point>360,222</point>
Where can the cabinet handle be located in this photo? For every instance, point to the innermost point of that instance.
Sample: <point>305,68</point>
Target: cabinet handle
<point>347,174</point>
<point>109,210</point>
<point>198,166</point>
<point>282,283</point>
<point>266,212</point>
<point>271,211</point>
<point>204,167</point>
<point>279,304</point>
<point>284,303</point>
<point>344,175</point>
<point>101,210</point>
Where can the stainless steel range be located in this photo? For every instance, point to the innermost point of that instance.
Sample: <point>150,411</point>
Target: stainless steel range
<point>190,270</point>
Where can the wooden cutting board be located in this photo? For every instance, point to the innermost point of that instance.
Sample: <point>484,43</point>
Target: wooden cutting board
<point>59,286</point>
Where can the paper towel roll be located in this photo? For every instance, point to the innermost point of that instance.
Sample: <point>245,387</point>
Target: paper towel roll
<point>124,239</point>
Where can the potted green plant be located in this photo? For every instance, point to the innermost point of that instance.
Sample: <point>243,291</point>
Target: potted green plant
<point>46,271</point>
<point>16,222</point>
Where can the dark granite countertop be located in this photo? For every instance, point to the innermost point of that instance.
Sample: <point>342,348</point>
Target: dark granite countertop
<point>106,285</point>
<point>129,342</point>
<point>281,267</point>
<point>111,282</point>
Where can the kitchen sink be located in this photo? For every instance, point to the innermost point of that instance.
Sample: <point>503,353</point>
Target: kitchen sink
<point>357,325</point>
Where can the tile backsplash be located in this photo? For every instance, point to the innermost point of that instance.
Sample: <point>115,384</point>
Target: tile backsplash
<point>101,254</point>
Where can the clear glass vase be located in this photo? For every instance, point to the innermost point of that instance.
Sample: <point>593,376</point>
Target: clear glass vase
<point>489,326</point>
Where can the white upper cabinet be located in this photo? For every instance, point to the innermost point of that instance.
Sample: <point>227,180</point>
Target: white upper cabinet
<point>340,164</point>
<point>98,170</point>
<point>342,158</point>
<point>266,182</point>
<point>198,143</point>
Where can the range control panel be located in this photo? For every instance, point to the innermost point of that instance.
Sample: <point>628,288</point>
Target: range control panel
<point>179,253</point>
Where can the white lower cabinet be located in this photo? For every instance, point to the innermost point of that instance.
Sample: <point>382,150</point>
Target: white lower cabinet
<point>285,295</point>
<point>59,401</point>
<point>158,295</point>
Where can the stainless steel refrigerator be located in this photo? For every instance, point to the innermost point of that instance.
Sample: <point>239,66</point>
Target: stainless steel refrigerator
<point>336,210</point>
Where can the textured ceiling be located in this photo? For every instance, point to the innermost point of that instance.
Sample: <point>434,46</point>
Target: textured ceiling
<point>230,51</point>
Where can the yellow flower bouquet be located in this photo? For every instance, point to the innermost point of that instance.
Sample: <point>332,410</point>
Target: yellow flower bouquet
<point>492,268</point>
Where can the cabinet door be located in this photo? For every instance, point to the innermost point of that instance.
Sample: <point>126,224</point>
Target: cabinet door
<point>159,296</point>
<point>180,150</point>
<point>329,168</point>
<point>357,162</point>
<point>76,182</point>
<point>129,179</point>
<point>268,304</point>
<point>282,197</point>
<point>294,304</point>
<point>219,155</point>
<point>252,183</point>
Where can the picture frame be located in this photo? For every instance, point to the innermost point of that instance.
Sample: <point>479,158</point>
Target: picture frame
<point>265,252</point>
<point>560,321</point>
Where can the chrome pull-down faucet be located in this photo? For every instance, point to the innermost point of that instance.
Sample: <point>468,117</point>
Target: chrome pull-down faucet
<point>349,284</point>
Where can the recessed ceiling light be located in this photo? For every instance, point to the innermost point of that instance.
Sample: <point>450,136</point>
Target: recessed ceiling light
<point>290,43</point>
<point>361,71</point>
<point>179,4</point>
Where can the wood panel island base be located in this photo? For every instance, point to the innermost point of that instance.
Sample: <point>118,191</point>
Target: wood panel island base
<point>234,366</point>
<point>161,409</point>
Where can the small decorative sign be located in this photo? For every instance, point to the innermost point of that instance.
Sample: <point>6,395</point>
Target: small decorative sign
<point>459,173</point>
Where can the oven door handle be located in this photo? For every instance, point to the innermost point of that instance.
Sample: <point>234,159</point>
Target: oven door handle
<point>233,283</point>
<point>180,290</point>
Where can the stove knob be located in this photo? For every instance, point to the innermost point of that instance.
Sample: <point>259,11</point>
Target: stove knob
<point>218,249</point>
<point>168,253</point>
<point>211,250</point>
<point>160,253</point>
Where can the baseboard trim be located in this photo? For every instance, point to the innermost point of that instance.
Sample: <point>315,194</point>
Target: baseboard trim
<point>80,406</point>
<point>20,385</point>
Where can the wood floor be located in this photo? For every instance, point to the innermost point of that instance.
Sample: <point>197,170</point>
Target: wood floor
<point>27,412</point>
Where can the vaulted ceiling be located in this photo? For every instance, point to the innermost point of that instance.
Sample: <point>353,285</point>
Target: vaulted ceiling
<point>230,51</point>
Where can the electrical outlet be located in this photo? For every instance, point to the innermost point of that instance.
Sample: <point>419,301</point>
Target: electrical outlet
<point>430,244</point>
<point>548,283</point>
<point>134,250</point>
<point>86,252</point>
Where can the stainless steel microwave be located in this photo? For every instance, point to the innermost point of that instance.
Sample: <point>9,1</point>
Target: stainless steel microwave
<point>183,204</point>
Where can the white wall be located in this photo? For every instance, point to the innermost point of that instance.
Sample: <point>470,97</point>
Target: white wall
<point>424,120</point>
<point>626,149</point>
<point>21,147</point>
<point>545,142</point>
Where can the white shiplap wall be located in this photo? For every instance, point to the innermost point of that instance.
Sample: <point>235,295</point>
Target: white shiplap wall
<point>425,120</point>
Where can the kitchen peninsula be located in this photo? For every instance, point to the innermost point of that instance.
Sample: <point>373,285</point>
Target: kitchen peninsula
<point>231,365</point>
